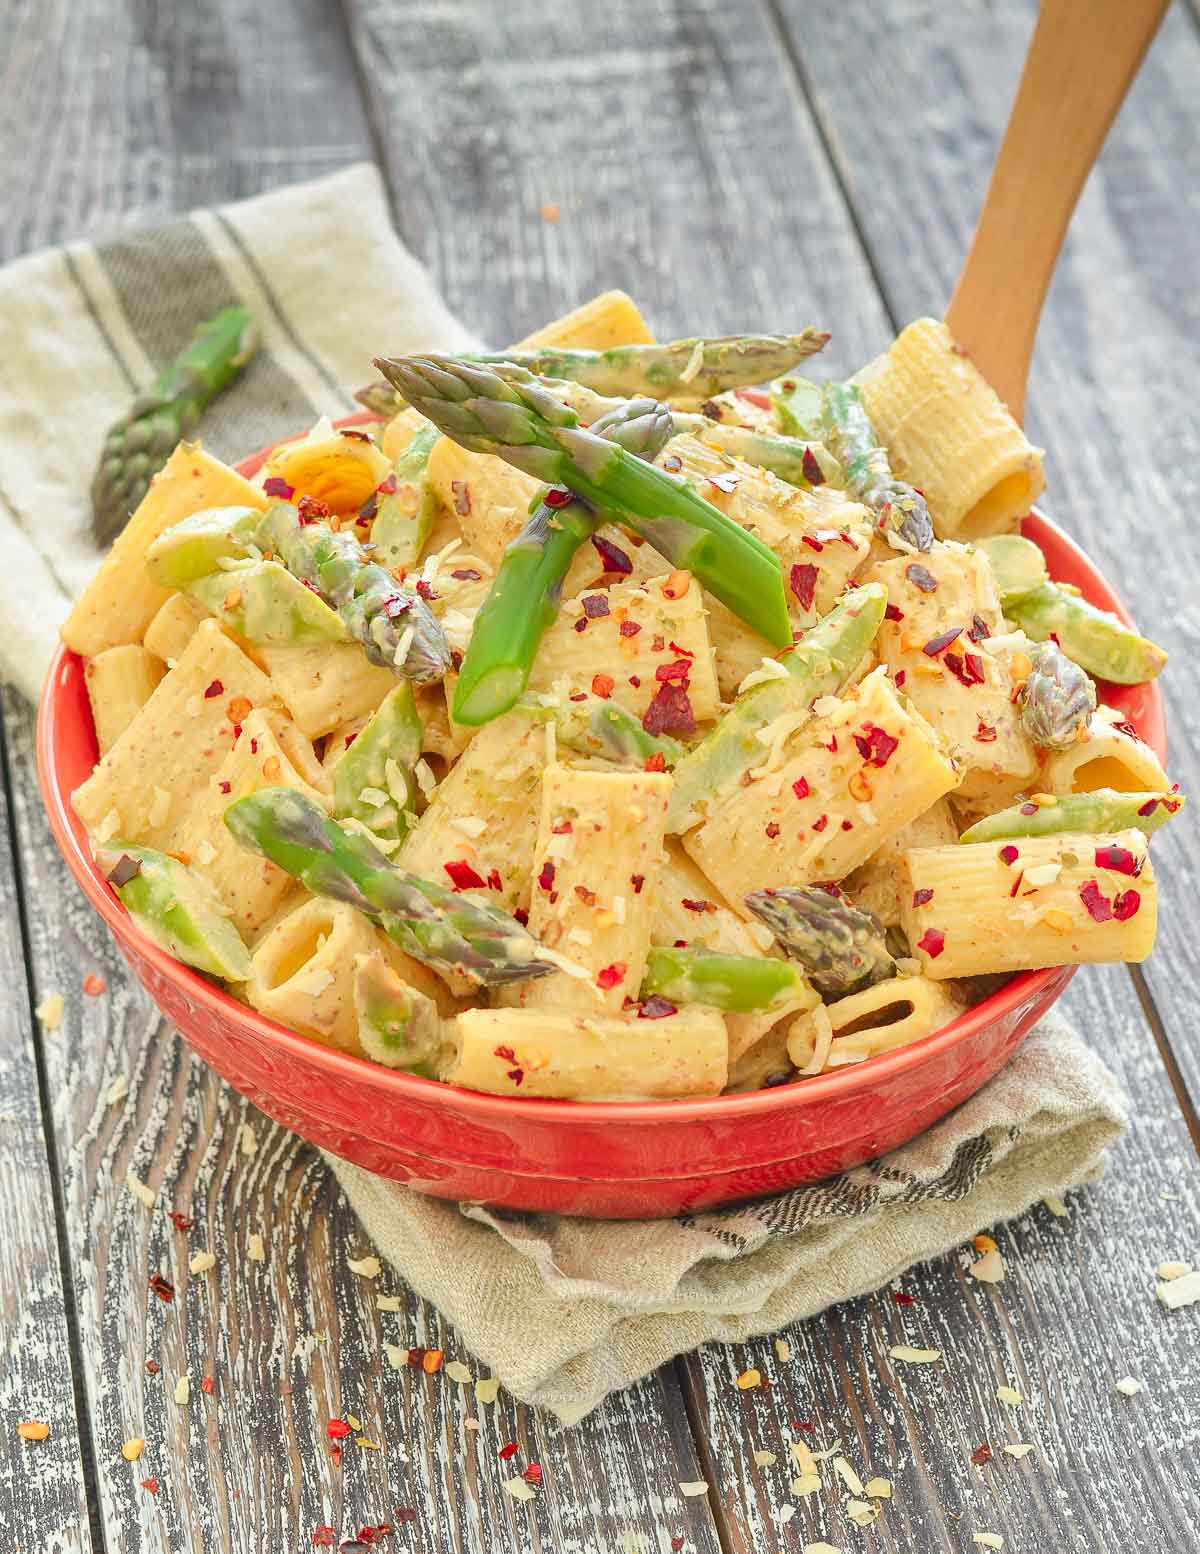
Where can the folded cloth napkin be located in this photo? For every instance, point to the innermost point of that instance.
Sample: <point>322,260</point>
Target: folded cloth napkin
<point>566,1310</point>
<point>85,327</point>
<point>563,1310</point>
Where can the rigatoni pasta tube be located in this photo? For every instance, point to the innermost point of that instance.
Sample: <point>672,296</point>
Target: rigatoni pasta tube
<point>120,681</point>
<point>596,868</point>
<point>326,684</point>
<point>611,318</point>
<point>488,499</point>
<point>581,1057</point>
<point>1110,755</point>
<point>302,973</point>
<point>816,809</point>
<point>1040,901</point>
<point>890,1014</point>
<point>876,885</point>
<point>173,627</point>
<point>947,433</point>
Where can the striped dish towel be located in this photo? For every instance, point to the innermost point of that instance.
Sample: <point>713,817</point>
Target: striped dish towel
<point>85,327</point>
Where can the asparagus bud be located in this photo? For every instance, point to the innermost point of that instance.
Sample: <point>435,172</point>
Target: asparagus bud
<point>841,946</point>
<point>1056,700</point>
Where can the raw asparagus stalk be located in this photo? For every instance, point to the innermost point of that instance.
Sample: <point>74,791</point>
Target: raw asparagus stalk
<point>373,781</point>
<point>138,445</point>
<point>264,603</point>
<point>530,428</point>
<point>1094,639</point>
<point>683,370</point>
<point>596,726</point>
<point>177,908</point>
<point>819,665</point>
<point>394,624</point>
<point>449,932</point>
<point>1056,699</point>
<point>841,946</point>
<point>735,982</point>
<point>404,517</point>
<point>397,1024</point>
<point>847,432</point>
<point>1102,812</point>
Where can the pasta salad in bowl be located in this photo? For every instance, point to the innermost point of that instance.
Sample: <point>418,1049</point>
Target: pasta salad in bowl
<point>612,777</point>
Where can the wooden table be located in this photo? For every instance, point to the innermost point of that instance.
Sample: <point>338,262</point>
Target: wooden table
<point>734,166</point>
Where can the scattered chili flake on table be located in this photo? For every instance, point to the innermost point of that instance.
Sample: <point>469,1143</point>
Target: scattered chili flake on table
<point>207,1386</point>
<point>152,1367</point>
<point>508,1450</point>
<point>981,1454</point>
<point>33,1430</point>
<point>533,1473</point>
<point>150,1484</point>
<point>94,984</point>
<point>338,1429</point>
<point>807,1425</point>
<point>433,1358</point>
<point>162,1287</point>
<point>323,1537</point>
<point>901,1297</point>
<point>933,942</point>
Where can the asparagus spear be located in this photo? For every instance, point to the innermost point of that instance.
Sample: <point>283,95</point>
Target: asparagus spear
<point>1094,639</point>
<point>176,908</point>
<point>1101,812</point>
<point>405,516</point>
<point>1056,700</point>
<point>819,665</point>
<point>527,426</point>
<point>1018,566</point>
<point>266,604</point>
<point>596,726</point>
<point>373,781</point>
<point>449,932</point>
<point>136,446</point>
<point>394,624</point>
<point>736,982</point>
<point>197,545</point>
<point>847,432</point>
<point>397,1025</point>
<point>684,370</point>
<point>380,398</point>
<point>841,946</point>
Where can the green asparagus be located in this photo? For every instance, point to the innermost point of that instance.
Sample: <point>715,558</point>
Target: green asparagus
<point>735,982</point>
<point>267,605</point>
<point>1018,565</point>
<point>594,725</point>
<point>819,665</point>
<point>394,624</point>
<point>1094,639</point>
<point>841,946</point>
<point>196,546</point>
<point>397,1024</point>
<point>797,406</point>
<point>847,432</point>
<point>530,428</point>
<point>177,909</point>
<point>137,446</point>
<point>688,371</point>
<point>404,516</point>
<point>373,780</point>
<point>447,931</point>
<point>380,398</point>
<point>1102,812</point>
<point>1056,699</point>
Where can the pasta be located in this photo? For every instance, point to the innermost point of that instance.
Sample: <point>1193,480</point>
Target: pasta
<point>667,799</point>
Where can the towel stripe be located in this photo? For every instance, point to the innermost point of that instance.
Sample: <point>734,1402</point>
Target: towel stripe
<point>78,258</point>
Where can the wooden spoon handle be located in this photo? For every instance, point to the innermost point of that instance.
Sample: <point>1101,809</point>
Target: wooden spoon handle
<point>1083,56</point>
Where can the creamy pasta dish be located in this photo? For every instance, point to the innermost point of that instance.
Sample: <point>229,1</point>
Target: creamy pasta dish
<point>613,719</point>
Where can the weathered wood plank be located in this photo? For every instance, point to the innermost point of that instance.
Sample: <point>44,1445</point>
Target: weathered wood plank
<point>42,1495</point>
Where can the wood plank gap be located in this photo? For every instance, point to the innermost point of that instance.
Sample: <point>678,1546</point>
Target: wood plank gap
<point>702,1441</point>
<point>1187,1104</point>
<point>75,1352</point>
<point>838,166</point>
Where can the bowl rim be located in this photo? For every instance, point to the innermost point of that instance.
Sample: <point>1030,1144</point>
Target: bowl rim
<point>345,1067</point>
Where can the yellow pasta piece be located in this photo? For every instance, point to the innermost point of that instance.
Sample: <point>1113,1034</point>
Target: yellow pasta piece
<point>596,869</point>
<point>143,787</point>
<point>326,684</point>
<point>1110,756</point>
<point>399,432</point>
<point>121,601</point>
<point>891,1014</point>
<point>612,318</point>
<point>120,681</point>
<point>947,433</point>
<point>762,1060</point>
<point>876,885</point>
<point>302,972</point>
<point>173,626</point>
<point>339,468</point>
<point>827,798</point>
<point>1035,901</point>
<point>962,686</point>
<point>487,498</point>
<point>582,1057</point>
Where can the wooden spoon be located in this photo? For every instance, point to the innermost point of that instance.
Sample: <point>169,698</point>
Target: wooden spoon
<point>1083,56</point>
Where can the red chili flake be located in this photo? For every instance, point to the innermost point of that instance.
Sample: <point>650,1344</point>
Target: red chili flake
<point>657,643</point>
<point>461,493</point>
<point>820,823</point>
<point>847,825</point>
<point>522,915</point>
<point>307,582</point>
<point>375,1534</point>
<point>338,1429</point>
<point>813,472</point>
<point>893,613</point>
<point>801,788</point>
<point>803,578</point>
<point>933,942</point>
<point>595,605</point>
<point>677,1543</point>
<point>609,976</point>
<point>275,485</point>
<point>152,1367</point>
<point>508,1451</point>
<point>335,1456</point>
<point>387,486</point>
<point>602,685</point>
<point>613,557</point>
<point>697,906</point>
<point>922,897</point>
<point>463,876</point>
<point>1119,859</point>
<point>546,878</point>
<point>370,507</point>
<point>678,669</point>
<point>310,508</point>
<point>656,1008</point>
<point>938,644</point>
<point>1008,853</point>
<point>581,623</point>
<point>670,711</point>
<point>237,732</point>
<point>807,1425</point>
<point>680,652</point>
<point>876,745</point>
<point>577,696</point>
<point>124,870</point>
<point>977,630</point>
<point>494,882</point>
<point>406,1513</point>
<point>656,761</point>
<point>902,1298</point>
<point>635,680</point>
<point>181,1221</point>
<point>254,747</point>
<point>466,574</point>
<point>347,431</point>
<point>900,676</point>
<point>812,542</point>
<point>207,1386</point>
<point>150,1484</point>
<point>672,462</point>
<point>1128,728</point>
<point>1126,904</point>
<point>214,688</point>
<point>416,1358</point>
<point>771,829</point>
<point>162,1287</point>
<point>533,1473</point>
<point>968,670</point>
<point>985,733</point>
<point>396,606</point>
<point>728,481</point>
<point>628,628</point>
<point>981,1454</point>
<point>561,828</point>
<point>1029,809</point>
<point>921,577</point>
<point>506,1053</point>
<point>323,1537</point>
<point>637,881</point>
<point>588,897</point>
<point>1016,884</point>
<point>1149,806</point>
<point>425,589</point>
<point>1098,905</point>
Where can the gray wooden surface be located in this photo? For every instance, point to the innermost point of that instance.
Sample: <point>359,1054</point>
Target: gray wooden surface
<point>732,166</point>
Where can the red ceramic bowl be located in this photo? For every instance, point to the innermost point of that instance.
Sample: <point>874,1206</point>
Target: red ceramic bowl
<point>628,1160</point>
